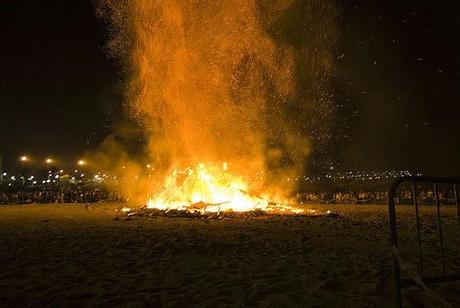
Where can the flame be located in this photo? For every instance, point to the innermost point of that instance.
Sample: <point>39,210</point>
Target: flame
<point>209,189</point>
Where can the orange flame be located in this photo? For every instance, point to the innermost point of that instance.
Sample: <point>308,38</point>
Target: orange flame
<point>211,190</point>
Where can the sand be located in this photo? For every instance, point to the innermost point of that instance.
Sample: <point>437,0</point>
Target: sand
<point>73,255</point>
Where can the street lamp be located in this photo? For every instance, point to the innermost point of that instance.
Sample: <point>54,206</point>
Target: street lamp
<point>23,159</point>
<point>49,161</point>
<point>81,162</point>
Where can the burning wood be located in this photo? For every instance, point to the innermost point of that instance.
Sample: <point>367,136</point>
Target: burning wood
<point>145,212</point>
<point>211,192</point>
<point>205,190</point>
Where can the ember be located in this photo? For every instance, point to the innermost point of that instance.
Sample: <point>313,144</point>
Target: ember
<point>209,82</point>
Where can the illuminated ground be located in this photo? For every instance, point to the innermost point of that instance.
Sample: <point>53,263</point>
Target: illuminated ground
<point>69,255</point>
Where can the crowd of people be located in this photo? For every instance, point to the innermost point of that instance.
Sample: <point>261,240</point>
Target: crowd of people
<point>360,197</point>
<point>59,195</point>
<point>426,196</point>
<point>403,196</point>
<point>80,194</point>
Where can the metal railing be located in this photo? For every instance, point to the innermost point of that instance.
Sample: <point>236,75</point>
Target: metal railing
<point>398,264</point>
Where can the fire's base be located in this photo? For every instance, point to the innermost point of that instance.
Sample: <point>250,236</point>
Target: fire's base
<point>257,214</point>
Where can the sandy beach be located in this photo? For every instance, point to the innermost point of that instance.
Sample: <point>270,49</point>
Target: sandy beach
<point>78,255</point>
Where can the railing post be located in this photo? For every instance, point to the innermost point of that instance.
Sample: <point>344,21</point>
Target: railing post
<point>438,212</point>
<point>456,203</point>
<point>393,238</point>
<point>417,221</point>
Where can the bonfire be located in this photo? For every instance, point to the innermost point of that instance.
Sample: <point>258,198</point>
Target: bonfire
<point>212,191</point>
<point>204,189</point>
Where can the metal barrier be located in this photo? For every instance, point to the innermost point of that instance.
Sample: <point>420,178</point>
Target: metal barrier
<point>398,263</point>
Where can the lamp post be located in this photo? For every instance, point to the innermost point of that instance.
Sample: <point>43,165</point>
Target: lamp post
<point>23,160</point>
<point>49,161</point>
<point>82,163</point>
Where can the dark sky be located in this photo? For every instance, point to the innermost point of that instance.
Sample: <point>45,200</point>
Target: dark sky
<point>55,79</point>
<point>401,62</point>
<point>397,60</point>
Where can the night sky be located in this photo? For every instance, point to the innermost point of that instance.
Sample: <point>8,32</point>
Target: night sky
<point>56,82</point>
<point>396,60</point>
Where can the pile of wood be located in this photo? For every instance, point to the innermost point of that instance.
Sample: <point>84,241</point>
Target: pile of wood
<point>145,212</point>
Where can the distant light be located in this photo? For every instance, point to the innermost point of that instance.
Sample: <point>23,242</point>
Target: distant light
<point>24,158</point>
<point>81,162</point>
<point>4,173</point>
<point>48,161</point>
<point>34,182</point>
<point>56,176</point>
<point>13,178</point>
<point>47,181</point>
<point>82,175</point>
<point>148,166</point>
<point>61,171</point>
